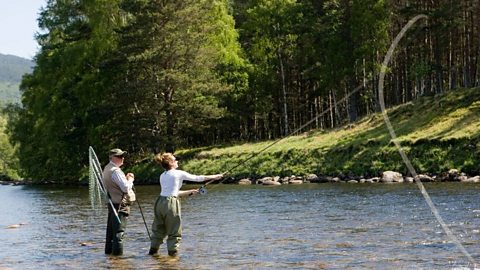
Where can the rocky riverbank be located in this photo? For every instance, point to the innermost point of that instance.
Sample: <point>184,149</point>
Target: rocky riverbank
<point>14,182</point>
<point>386,177</point>
<point>452,175</point>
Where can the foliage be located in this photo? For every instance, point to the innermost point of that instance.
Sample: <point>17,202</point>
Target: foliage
<point>447,137</point>
<point>151,75</point>
<point>53,123</point>
<point>8,161</point>
<point>168,83</point>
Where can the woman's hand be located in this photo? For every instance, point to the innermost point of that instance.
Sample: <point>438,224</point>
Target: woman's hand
<point>193,192</point>
<point>214,177</point>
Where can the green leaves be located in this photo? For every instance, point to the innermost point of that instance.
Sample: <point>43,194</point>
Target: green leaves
<point>52,125</point>
<point>152,75</point>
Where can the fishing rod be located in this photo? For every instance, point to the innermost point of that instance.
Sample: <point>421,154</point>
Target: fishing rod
<point>203,190</point>
<point>143,217</point>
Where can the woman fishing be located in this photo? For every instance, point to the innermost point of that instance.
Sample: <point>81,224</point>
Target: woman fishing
<point>167,209</point>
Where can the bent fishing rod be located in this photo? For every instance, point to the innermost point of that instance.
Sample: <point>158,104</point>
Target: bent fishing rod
<point>203,189</point>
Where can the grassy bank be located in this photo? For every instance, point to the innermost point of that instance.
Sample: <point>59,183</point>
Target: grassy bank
<point>437,134</point>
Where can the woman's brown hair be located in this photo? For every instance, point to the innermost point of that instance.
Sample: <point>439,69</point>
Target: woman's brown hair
<point>165,160</point>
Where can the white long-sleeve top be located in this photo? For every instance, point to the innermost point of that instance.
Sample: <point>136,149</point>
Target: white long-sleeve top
<point>171,181</point>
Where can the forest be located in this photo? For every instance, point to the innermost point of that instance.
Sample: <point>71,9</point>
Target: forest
<point>161,75</point>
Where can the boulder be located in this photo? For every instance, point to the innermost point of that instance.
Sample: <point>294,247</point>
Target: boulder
<point>265,179</point>
<point>424,178</point>
<point>409,179</point>
<point>284,180</point>
<point>295,182</point>
<point>392,177</point>
<point>323,179</point>
<point>312,178</point>
<point>475,179</point>
<point>374,179</point>
<point>271,183</point>
<point>453,173</point>
<point>335,180</point>
<point>245,181</point>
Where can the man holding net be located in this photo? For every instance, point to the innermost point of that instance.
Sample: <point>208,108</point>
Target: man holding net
<point>120,188</point>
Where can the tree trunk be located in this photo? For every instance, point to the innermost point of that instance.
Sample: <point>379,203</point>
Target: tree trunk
<point>284,96</point>
<point>170,124</point>
<point>331,107</point>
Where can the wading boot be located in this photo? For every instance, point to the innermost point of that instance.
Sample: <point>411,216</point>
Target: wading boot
<point>172,253</point>
<point>117,245</point>
<point>117,249</point>
<point>152,251</point>
<point>108,248</point>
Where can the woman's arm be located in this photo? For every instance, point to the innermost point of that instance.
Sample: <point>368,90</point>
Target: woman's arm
<point>213,177</point>
<point>199,178</point>
<point>190,192</point>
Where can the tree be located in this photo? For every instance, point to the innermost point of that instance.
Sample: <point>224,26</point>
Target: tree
<point>166,88</point>
<point>271,27</point>
<point>51,129</point>
<point>9,166</point>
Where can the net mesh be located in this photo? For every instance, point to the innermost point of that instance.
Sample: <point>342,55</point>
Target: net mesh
<point>96,192</point>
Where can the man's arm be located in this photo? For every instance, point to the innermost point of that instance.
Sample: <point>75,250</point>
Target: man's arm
<point>121,180</point>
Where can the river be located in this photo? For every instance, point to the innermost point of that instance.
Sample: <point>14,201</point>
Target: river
<point>310,226</point>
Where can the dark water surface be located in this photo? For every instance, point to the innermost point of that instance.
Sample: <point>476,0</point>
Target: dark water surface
<point>311,226</point>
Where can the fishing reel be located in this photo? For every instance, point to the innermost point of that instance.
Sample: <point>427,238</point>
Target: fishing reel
<point>202,190</point>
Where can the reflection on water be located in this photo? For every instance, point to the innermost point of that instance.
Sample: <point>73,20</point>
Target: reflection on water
<point>312,226</point>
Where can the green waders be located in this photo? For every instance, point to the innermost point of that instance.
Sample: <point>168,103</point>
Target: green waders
<point>167,223</point>
<point>115,231</point>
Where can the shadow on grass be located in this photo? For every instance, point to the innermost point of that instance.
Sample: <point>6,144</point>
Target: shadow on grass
<point>366,149</point>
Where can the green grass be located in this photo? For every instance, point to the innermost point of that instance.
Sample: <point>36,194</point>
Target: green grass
<point>437,134</point>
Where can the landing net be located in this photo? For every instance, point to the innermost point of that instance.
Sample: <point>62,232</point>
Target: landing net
<point>97,194</point>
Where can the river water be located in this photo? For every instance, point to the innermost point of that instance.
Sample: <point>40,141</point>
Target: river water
<point>310,226</point>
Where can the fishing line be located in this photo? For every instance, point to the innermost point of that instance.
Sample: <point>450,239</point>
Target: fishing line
<point>412,171</point>
<point>407,162</point>
<point>203,190</point>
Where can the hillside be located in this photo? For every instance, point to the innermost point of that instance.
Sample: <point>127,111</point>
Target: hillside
<point>12,69</point>
<point>437,134</point>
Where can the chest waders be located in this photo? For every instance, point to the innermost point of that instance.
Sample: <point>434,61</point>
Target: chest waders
<point>116,224</point>
<point>167,223</point>
<point>116,230</point>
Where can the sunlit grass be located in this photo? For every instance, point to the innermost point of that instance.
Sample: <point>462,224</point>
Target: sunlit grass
<point>437,133</point>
